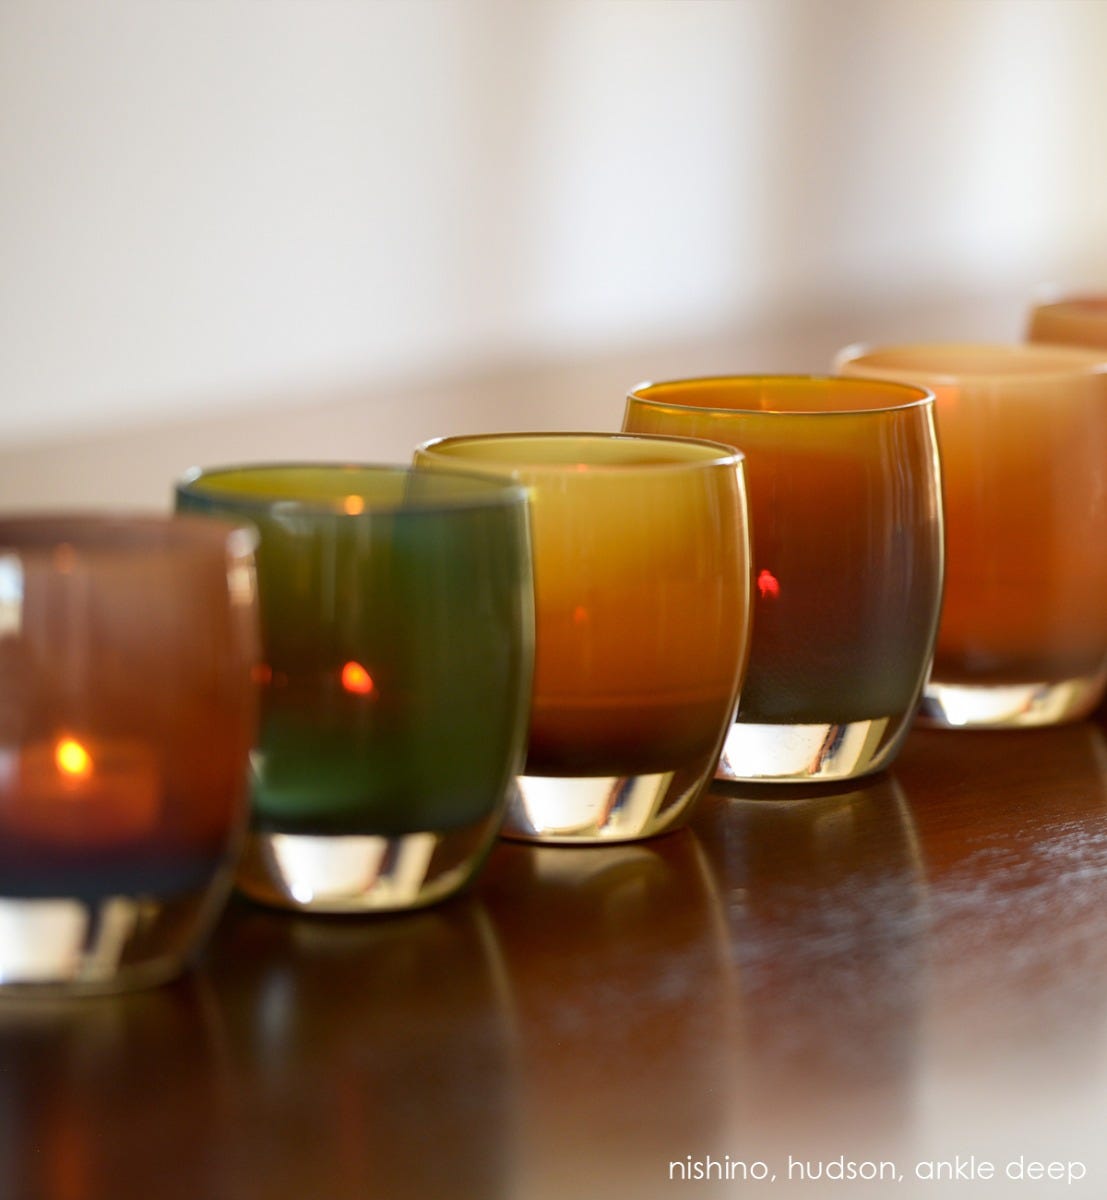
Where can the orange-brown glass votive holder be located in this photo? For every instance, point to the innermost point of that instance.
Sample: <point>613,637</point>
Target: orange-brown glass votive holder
<point>127,713</point>
<point>1076,320</point>
<point>1023,436</point>
<point>846,519</point>
<point>642,587</point>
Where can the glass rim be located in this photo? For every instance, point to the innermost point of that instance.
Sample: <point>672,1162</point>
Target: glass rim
<point>1084,361</point>
<point>496,491</point>
<point>922,397</point>
<point>1083,302</point>
<point>1052,293</point>
<point>101,533</point>
<point>721,453</point>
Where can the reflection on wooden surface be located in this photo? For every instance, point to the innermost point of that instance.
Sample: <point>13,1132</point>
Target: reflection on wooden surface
<point>911,969</point>
<point>1014,834</point>
<point>625,996</point>
<point>826,913</point>
<point>374,1055</point>
<point>99,1096</point>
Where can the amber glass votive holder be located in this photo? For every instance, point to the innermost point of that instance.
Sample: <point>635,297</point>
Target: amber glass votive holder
<point>1077,320</point>
<point>1023,436</point>
<point>127,711</point>
<point>846,517</point>
<point>397,634</point>
<point>642,596</point>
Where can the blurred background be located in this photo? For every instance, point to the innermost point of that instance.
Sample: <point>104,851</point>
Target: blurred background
<point>314,228</point>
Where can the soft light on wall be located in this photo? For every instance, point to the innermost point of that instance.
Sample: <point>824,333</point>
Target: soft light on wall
<point>203,203</point>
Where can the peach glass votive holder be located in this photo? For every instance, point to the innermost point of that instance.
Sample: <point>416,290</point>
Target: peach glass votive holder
<point>1078,320</point>
<point>1023,437</point>
<point>846,518</point>
<point>127,713</point>
<point>642,585</point>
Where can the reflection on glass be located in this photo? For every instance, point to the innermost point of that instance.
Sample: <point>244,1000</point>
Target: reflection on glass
<point>827,912</point>
<point>377,1057</point>
<point>624,988</point>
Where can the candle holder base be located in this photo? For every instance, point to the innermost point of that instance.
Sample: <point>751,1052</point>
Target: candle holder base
<point>600,809</point>
<point>362,873</point>
<point>1009,706</point>
<point>67,946</point>
<point>812,753</point>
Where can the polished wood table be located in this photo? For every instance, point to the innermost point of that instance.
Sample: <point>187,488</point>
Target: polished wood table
<point>906,978</point>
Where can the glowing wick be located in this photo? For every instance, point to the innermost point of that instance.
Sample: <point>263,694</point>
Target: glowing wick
<point>72,759</point>
<point>767,584</point>
<point>356,679</point>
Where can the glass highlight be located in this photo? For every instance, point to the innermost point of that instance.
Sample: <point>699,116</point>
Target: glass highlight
<point>397,627</point>
<point>1023,434</point>
<point>846,516</point>
<point>642,597</point>
<point>127,711</point>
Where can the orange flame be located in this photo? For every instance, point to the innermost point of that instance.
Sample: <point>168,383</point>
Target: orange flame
<point>72,759</point>
<point>356,679</point>
<point>768,584</point>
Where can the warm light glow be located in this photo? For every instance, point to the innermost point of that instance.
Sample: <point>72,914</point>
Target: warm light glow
<point>356,679</point>
<point>64,559</point>
<point>72,759</point>
<point>767,584</point>
<point>262,673</point>
<point>353,505</point>
<point>580,614</point>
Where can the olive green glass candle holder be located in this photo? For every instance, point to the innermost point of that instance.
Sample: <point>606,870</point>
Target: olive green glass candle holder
<point>397,629</point>
<point>642,589</point>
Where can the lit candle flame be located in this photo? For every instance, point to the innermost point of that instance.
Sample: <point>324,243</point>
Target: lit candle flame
<point>353,505</point>
<point>356,679</point>
<point>72,759</point>
<point>768,584</point>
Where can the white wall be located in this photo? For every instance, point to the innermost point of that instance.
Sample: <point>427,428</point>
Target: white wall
<point>206,206</point>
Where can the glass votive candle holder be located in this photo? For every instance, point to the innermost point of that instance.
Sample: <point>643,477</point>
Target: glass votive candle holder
<point>642,623</point>
<point>1023,436</point>
<point>127,711</point>
<point>846,517</point>
<point>397,636</point>
<point>1077,320</point>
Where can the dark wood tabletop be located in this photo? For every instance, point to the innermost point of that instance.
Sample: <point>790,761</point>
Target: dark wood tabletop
<point>906,977</point>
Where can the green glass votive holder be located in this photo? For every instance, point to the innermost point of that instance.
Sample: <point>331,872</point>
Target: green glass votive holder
<point>397,629</point>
